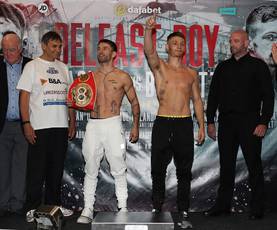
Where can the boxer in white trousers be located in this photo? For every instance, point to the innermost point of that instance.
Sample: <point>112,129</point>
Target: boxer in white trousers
<point>104,134</point>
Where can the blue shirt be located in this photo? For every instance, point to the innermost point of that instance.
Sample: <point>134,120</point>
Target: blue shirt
<point>13,75</point>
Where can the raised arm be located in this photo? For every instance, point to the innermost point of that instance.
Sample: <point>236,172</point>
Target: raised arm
<point>132,97</point>
<point>198,108</point>
<point>150,52</point>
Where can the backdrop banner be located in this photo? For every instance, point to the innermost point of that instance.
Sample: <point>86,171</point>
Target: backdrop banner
<point>206,25</point>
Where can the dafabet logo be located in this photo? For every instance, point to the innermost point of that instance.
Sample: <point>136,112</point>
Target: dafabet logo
<point>121,10</point>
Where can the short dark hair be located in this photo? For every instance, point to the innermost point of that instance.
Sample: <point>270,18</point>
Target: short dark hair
<point>175,34</point>
<point>263,13</point>
<point>9,32</point>
<point>109,42</point>
<point>51,35</point>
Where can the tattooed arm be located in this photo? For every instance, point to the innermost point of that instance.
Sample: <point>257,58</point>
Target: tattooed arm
<point>132,97</point>
<point>95,112</point>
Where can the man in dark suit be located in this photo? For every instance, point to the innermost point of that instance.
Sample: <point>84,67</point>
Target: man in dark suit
<point>242,91</point>
<point>13,146</point>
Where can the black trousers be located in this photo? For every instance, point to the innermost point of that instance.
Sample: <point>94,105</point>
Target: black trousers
<point>237,130</point>
<point>45,167</point>
<point>13,161</point>
<point>172,137</point>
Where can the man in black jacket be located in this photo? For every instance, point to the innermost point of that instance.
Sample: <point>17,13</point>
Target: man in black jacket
<point>13,146</point>
<point>242,91</point>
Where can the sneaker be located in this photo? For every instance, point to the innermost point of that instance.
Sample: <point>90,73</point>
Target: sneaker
<point>123,209</point>
<point>156,210</point>
<point>184,222</point>
<point>86,216</point>
<point>30,216</point>
<point>66,212</point>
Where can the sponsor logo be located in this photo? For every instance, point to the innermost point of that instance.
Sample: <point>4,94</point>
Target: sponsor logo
<point>47,102</point>
<point>121,10</point>
<point>54,103</point>
<point>228,11</point>
<point>43,81</point>
<point>56,92</point>
<point>43,8</point>
<point>54,81</point>
<point>52,70</point>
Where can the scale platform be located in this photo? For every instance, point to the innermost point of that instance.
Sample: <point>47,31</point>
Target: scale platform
<point>132,221</point>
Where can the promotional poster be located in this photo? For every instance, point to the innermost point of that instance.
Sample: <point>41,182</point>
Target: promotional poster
<point>207,25</point>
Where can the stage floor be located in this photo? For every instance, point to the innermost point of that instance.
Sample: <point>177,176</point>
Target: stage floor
<point>200,222</point>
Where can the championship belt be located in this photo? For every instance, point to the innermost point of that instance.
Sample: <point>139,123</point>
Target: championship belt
<point>82,92</point>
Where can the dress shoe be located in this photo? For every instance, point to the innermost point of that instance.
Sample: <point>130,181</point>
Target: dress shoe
<point>215,211</point>
<point>4,213</point>
<point>256,216</point>
<point>18,212</point>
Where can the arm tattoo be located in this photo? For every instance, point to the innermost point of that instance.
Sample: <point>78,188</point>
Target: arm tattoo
<point>134,99</point>
<point>131,86</point>
<point>134,105</point>
<point>136,115</point>
<point>97,111</point>
<point>114,107</point>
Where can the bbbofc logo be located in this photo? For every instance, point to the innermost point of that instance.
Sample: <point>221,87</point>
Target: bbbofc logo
<point>121,10</point>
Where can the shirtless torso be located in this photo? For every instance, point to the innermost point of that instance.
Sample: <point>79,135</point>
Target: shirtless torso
<point>174,89</point>
<point>111,88</point>
<point>176,84</point>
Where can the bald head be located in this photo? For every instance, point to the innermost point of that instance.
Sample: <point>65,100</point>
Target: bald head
<point>239,43</point>
<point>11,38</point>
<point>242,33</point>
<point>11,46</point>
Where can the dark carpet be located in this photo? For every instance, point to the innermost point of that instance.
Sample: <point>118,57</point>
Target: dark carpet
<point>199,221</point>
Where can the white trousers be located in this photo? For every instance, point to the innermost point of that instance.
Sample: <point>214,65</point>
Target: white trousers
<point>104,136</point>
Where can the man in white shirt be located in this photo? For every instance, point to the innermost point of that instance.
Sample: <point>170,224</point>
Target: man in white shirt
<point>47,122</point>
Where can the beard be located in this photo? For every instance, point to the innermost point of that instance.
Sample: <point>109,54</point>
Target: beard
<point>103,59</point>
<point>233,51</point>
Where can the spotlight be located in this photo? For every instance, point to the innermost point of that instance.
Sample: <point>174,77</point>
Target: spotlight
<point>48,217</point>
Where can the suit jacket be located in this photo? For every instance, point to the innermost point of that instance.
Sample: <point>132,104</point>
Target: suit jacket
<point>4,95</point>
